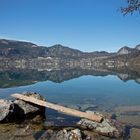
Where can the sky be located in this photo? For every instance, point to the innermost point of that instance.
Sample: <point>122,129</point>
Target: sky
<point>87,25</point>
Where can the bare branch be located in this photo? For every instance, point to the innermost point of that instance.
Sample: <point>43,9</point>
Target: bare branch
<point>132,6</point>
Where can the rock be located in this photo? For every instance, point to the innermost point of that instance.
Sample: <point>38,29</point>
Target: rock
<point>6,109</point>
<point>85,107</point>
<point>65,134</point>
<point>14,110</point>
<point>35,95</point>
<point>69,135</point>
<point>76,134</point>
<point>107,127</point>
<point>72,134</point>
<point>27,109</point>
<point>103,114</point>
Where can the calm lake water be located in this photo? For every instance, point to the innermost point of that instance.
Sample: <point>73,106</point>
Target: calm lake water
<point>102,93</point>
<point>82,90</point>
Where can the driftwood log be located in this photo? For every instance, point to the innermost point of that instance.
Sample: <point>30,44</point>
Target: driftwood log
<point>59,108</point>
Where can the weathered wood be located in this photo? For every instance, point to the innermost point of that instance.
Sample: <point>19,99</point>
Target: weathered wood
<point>59,108</point>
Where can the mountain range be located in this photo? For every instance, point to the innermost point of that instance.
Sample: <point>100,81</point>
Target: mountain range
<point>58,56</point>
<point>21,49</point>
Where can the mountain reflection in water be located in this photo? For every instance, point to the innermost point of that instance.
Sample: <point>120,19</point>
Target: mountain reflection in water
<point>19,77</point>
<point>108,90</point>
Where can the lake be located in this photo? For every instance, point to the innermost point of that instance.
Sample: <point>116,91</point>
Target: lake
<point>111,93</point>
<point>105,93</point>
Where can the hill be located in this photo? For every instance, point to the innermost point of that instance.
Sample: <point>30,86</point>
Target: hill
<point>20,49</point>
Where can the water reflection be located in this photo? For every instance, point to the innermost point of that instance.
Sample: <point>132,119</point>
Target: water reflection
<point>90,92</point>
<point>19,77</point>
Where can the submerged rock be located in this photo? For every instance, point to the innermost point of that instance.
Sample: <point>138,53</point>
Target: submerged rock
<point>6,109</point>
<point>86,107</point>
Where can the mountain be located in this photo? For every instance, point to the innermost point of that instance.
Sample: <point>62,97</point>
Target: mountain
<point>21,49</point>
<point>25,54</point>
<point>137,47</point>
<point>63,52</point>
<point>11,48</point>
<point>127,50</point>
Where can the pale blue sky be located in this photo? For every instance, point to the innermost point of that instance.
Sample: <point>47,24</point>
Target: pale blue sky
<point>87,25</point>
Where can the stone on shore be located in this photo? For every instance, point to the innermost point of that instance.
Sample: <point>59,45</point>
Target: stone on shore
<point>108,127</point>
<point>14,110</point>
<point>65,134</point>
<point>72,134</point>
<point>6,109</point>
<point>27,109</point>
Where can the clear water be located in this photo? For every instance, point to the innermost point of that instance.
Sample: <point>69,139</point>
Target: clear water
<point>105,92</point>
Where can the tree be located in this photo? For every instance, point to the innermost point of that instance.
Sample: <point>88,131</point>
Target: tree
<point>132,6</point>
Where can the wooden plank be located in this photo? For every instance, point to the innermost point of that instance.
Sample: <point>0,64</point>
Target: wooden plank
<point>59,108</point>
